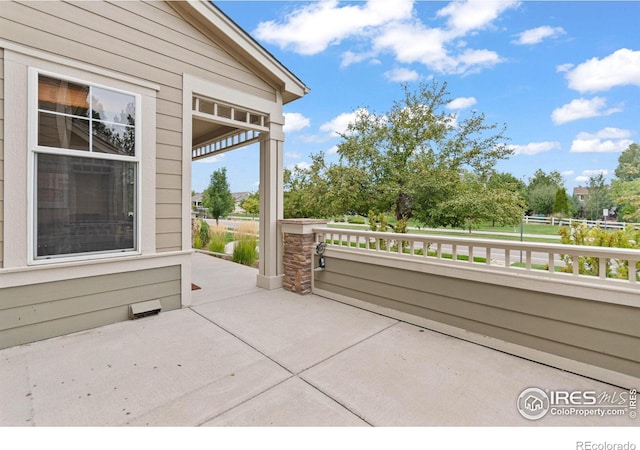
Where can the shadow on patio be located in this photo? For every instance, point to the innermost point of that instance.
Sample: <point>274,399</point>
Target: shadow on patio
<point>245,356</point>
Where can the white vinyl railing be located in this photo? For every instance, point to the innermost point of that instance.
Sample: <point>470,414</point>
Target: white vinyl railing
<point>584,262</point>
<point>608,224</point>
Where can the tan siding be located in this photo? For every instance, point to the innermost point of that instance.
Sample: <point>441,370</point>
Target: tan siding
<point>169,242</point>
<point>168,166</point>
<point>1,155</point>
<point>601,334</point>
<point>168,152</point>
<point>44,310</point>
<point>146,40</point>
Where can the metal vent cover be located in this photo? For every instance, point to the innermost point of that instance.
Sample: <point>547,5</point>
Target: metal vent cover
<point>144,309</point>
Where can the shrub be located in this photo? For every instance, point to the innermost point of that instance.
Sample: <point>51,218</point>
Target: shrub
<point>596,236</point>
<point>246,237</point>
<point>217,238</point>
<point>200,233</point>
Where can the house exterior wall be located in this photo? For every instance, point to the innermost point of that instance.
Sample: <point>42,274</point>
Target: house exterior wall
<point>42,310</point>
<point>147,43</point>
<point>545,316</point>
<point>1,153</point>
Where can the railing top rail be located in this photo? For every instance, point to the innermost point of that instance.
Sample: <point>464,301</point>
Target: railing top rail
<point>578,250</point>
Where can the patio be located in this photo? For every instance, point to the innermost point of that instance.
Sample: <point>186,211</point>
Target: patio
<point>244,356</point>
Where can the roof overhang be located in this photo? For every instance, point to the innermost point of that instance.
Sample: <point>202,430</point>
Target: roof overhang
<point>209,19</point>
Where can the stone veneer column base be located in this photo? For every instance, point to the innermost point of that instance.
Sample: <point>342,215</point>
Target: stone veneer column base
<point>299,246</point>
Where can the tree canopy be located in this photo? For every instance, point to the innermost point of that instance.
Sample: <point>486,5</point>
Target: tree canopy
<point>411,160</point>
<point>625,191</point>
<point>217,197</point>
<point>542,190</point>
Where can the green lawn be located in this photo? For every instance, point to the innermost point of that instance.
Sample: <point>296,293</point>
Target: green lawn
<point>474,234</point>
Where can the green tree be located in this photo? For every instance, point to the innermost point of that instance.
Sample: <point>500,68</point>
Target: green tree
<point>561,202</point>
<point>411,158</point>
<point>599,197</point>
<point>541,191</point>
<point>252,204</point>
<point>629,164</point>
<point>476,202</point>
<point>217,197</point>
<point>625,191</point>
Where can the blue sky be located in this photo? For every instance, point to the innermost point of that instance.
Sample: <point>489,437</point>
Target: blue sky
<point>563,76</point>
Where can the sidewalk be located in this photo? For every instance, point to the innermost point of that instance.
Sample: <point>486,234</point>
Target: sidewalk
<point>243,356</point>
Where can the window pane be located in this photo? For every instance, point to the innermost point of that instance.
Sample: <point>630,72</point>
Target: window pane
<point>63,131</point>
<point>63,96</point>
<point>84,205</point>
<point>113,106</point>
<point>114,139</point>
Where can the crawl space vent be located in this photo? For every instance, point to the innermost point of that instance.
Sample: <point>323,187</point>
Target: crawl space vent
<point>144,309</point>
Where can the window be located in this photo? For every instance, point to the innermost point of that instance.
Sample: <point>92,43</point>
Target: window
<point>86,165</point>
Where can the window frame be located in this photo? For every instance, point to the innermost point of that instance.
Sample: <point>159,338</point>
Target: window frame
<point>34,149</point>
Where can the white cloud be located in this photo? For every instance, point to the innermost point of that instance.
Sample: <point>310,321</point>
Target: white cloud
<point>333,150</point>
<point>212,159</point>
<point>295,122</point>
<point>461,103</point>
<point>533,148</point>
<point>564,67</point>
<point>620,68</point>
<point>607,140</point>
<point>292,155</point>
<point>537,35</point>
<point>567,173</point>
<point>471,15</point>
<point>302,165</point>
<point>591,173</point>
<point>582,108</point>
<point>312,28</point>
<point>401,75</point>
<point>587,174</point>
<point>339,124</point>
<point>390,26</point>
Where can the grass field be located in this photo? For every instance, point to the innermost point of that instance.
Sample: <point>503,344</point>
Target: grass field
<point>512,236</point>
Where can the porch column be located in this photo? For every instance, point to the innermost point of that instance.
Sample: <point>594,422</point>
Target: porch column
<point>271,209</point>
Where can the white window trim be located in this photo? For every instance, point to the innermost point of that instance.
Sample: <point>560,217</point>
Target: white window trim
<point>34,149</point>
<point>19,183</point>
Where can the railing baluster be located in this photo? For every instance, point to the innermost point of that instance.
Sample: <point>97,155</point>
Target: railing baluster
<point>381,243</point>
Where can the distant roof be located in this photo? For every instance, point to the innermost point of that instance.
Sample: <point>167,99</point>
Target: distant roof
<point>237,196</point>
<point>580,190</point>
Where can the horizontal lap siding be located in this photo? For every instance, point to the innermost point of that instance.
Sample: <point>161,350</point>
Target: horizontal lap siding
<point>146,40</point>
<point>44,310</point>
<point>1,156</point>
<point>596,333</point>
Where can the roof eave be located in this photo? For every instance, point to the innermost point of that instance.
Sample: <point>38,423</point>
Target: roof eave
<point>291,86</point>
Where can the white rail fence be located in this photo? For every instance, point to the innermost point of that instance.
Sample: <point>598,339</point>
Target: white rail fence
<point>609,224</point>
<point>605,265</point>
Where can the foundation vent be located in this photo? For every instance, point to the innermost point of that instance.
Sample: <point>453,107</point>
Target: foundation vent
<point>144,309</point>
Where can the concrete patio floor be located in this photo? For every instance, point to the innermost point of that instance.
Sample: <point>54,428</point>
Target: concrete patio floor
<point>243,356</point>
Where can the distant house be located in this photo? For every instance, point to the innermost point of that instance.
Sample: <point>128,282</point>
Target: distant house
<point>582,194</point>
<point>103,108</point>
<point>199,210</point>
<point>239,198</point>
